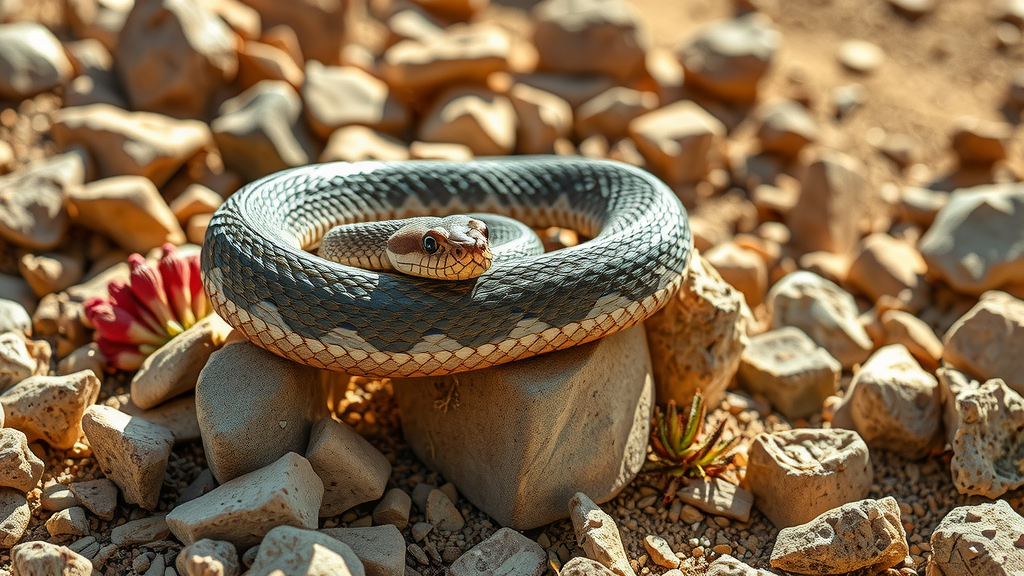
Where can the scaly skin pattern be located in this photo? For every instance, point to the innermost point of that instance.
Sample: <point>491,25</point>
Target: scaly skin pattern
<point>263,281</point>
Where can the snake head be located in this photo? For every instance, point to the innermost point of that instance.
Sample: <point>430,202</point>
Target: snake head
<point>450,248</point>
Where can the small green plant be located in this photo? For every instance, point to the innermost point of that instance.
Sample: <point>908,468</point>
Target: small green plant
<point>679,448</point>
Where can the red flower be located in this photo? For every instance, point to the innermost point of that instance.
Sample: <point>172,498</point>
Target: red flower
<point>200,303</point>
<point>121,295</point>
<point>148,287</point>
<point>176,273</point>
<point>116,324</point>
<point>121,356</point>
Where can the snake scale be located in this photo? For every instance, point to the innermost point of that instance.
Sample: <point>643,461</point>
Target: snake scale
<point>262,279</point>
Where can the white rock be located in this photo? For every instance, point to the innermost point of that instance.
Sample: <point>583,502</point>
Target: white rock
<point>33,558</point>
<point>718,497</point>
<point>57,497</point>
<point>290,550</point>
<point>20,468</point>
<point>982,540</point>
<point>50,408</point>
<point>141,531</point>
<point>14,318</point>
<point>794,373</point>
<point>506,552</point>
<point>32,60</point>
<point>381,549</point>
<point>984,342</point>
<point>68,522</point>
<point>660,552</point>
<point>598,535</point>
<point>131,451</point>
<point>352,470</point>
<point>16,364</point>
<point>580,566</point>
<point>242,511</point>
<point>726,565</point>
<point>208,558</point>
<point>988,446</point>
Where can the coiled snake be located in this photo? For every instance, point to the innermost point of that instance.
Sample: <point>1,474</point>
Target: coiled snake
<point>263,281</point>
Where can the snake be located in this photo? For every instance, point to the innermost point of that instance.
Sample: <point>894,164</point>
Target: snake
<point>262,277</point>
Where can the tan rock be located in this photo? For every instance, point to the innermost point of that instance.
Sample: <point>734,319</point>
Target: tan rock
<point>15,289</point>
<point>177,415</point>
<point>860,56</point>
<point>99,20</point>
<point>68,522</point>
<point>337,96</point>
<point>728,58</point>
<point>357,143</point>
<point>50,408</point>
<point>710,317</point>
<point>318,25</point>
<point>598,535</point>
<point>864,534</point>
<point>99,496</point>
<point>442,513</point>
<point>128,209</point>
<point>476,117</point>
<point>718,497</point>
<point>543,118</point>
<point>173,57</point>
<point>439,151</point>
<point>32,60</point>
<point>906,329</point>
<point>289,550</point>
<point>505,552</point>
<point>794,373</point>
<point>680,141</point>
<point>14,516</point>
<point>32,213</point>
<point>56,497</point>
<point>242,511</point>
<point>743,269</point>
<point>381,549</point>
<point>20,468</point>
<point>887,266</point>
<point>832,200</point>
<point>258,61</point>
<point>16,363</point>
<point>196,199</point>
<point>798,474</point>
<point>208,558</point>
<point>51,272</point>
<point>983,342</point>
<point>130,143</point>
<point>131,451</point>
<point>45,558</point>
<point>590,36</point>
<point>13,318</point>
<point>243,20</point>
<point>582,566</point>
<point>353,471</point>
<point>464,53</point>
<point>983,539</point>
<point>660,552</point>
<point>610,112</point>
<point>195,230</point>
<point>987,444</point>
<point>573,88</point>
<point>785,127</point>
<point>393,508</point>
<point>978,142</point>
<point>94,81</point>
<point>141,531</point>
<point>726,565</point>
<point>234,386</point>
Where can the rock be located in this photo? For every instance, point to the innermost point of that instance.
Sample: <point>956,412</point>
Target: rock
<point>987,444</point>
<point>476,117</point>
<point>798,474</point>
<point>33,558</point>
<point>610,112</point>
<point>543,118</point>
<point>420,530</point>
<point>196,199</point>
<point>16,363</point>
<point>697,339</point>
<point>718,497</point>
<point>237,436</point>
<point>261,131</point>
<point>51,272</point>
<point>318,25</point>
<point>505,552</point>
<point>920,205</point>
<point>208,558</point>
<point>13,318</point>
<point>462,54</point>
<point>824,312</point>
<point>980,343</point>
<point>411,22</point>
<point>893,404</point>
<point>887,266</point>
<point>20,468</point>
<point>14,516</point>
<point>68,522</point>
<point>177,415</point>
<point>785,127</point>
<point>496,467</point>
<point>903,328</point>
<point>50,408</point>
<point>442,513</point>
<point>241,511</point>
<point>977,240</point>
<point>100,21</point>
<point>860,56</point>
<point>56,497</point>
<point>580,566</point>
<point>130,143</point>
<point>437,151</point>
<point>794,373</point>
<point>590,37</point>
<point>726,565</point>
<point>660,552</point>
<point>353,471</point>
<point>983,539</point>
<point>864,534</point>
<point>174,368</point>
<point>173,57</point>
<point>832,199</point>
<point>574,89</point>
<point>289,550</point>
<point>141,531</point>
<point>131,451</point>
<point>729,57</point>
<point>94,81</point>
<point>32,60</point>
<point>380,549</point>
<point>128,209</point>
<point>598,535</point>
<point>980,143</point>
<point>32,213</point>
<point>99,496</point>
<point>393,508</point>
<point>195,230</point>
<point>337,96</point>
<point>913,8</point>
<point>743,269</point>
<point>357,143</point>
<point>258,61</point>
<point>680,141</point>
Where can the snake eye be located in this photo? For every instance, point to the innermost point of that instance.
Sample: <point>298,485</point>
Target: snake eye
<point>429,244</point>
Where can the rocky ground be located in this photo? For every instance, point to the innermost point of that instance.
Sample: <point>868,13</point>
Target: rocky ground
<point>854,318</point>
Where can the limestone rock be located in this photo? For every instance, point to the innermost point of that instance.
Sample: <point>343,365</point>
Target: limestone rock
<point>833,194</point>
<point>824,311</point>
<point>208,558</point>
<point>573,88</point>
<point>50,408</point>
<point>983,343</point>
<point>262,131</point>
<point>20,468</point>
<point>726,565</point>
<point>381,549</point>
<point>131,143</point>
<point>553,400</point>
<point>32,60</point>
<point>442,513</point>
<point>128,209</point>
<point>505,552</point>
<point>904,328</point>
<point>141,531</point>
<point>258,61</point>
<point>68,522</point>
<point>353,471</point>
<point>99,496</point>
<point>393,508</point>
<point>56,497</point>
<point>318,25</point>
<point>14,516</point>
<point>798,474</point>
<point>887,266</point>
<point>980,143</point>
<point>38,557</point>
<point>476,117</point>
<point>718,497</point>
<point>16,364</point>
<point>289,550</point>
<point>581,566</point>
<point>590,37</point>
<point>51,272</point>
<point>987,446</point>
<point>728,58</point>
<point>177,415</point>
<point>785,127</point>
<point>660,552</point>
<point>94,82</point>
<point>13,318</point>
<point>598,535</point>
<point>195,199</point>
<point>543,118</point>
<point>358,143</point>
<point>32,213</point>
<point>860,56</point>
<point>463,53</point>
<point>985,540</point>
<point>236,385</point>
<point>977,240</point>
<point>610,112</point>
<point>337,96</point>
<point>173,56</point>
<point>794,373</point>
<point>743,269</point>
<point>697,339</point>
<point>864,534</point>
<point>131,451</point>
<point>680,141</point>
<point>242,511</point>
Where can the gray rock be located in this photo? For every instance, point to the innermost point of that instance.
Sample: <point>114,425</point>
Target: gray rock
<point>988,446</point>
<point>381,549</point>
<point>442,513</point>
<point>833,196</point>
<point>290,550</point>
<point>982,540</point>
<point>718,497</point>
<point>728,58</point>
<point>141,531</point>
<point>99,496</point>
<point>984,342</point>
<point>393,508</point>
<point>32,60</point>
<point>353,471</point>
<point>506,552</point>
<point>794,373</point>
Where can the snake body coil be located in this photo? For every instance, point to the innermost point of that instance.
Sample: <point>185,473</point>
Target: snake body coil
<point>261,279</point>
